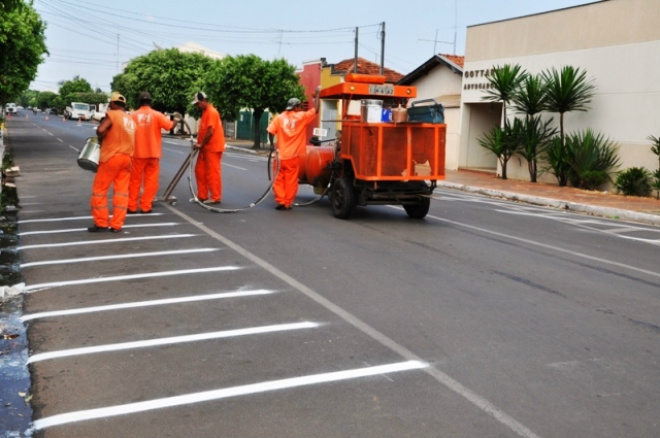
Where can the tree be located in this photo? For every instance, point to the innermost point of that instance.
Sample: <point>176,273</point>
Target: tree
<point>75,85</point>
<point>567,90</point>
<point>504,81</point>
<point>503,142</point>
<point>535,137</point>
<point>22,44</point>
<point>247,81</point>
<point>46,99</point>
<point>170,76</point>
<point>529,98</point>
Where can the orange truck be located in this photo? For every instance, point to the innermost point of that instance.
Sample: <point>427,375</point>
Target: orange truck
<point>378,162</point>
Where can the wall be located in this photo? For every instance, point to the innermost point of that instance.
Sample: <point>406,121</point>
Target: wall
<point>622,60</point>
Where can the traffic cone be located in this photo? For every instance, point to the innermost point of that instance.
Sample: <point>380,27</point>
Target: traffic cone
<point>27,117</point>
<point>63,119</point>
<point>46,117</point>
<point>8,116</point>
<point>79,122</point>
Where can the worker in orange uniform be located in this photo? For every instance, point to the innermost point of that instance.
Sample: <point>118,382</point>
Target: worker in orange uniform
<point>211,145</point>
<point>116,135</point>
<point>148,150</point>
<point>290,128</point>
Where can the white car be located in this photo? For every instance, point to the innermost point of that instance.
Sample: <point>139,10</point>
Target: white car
<point>11,108</point>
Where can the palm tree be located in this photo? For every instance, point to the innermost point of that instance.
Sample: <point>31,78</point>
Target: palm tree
<point>530,99</point>
<point>503,142</point>
<point>504,82</point>
<point>567,90</point>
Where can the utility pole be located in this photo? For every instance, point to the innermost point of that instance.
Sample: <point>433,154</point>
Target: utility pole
<point>355,60</point>
<point>382,49</point>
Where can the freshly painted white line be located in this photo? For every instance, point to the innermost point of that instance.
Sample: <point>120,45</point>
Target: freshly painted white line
<point>150,303</point>
<point>80,218</point>
<point>117,257</point>
<point>60,140</point>
<point>41,286</point>
<point>78,230</point>
<point>384,340</point>
<point>74,148</point>
<point>235,167</point>
<point>170,341</point>
<point>101,242</point>
<point>218,394</point>
<point>545,245</point>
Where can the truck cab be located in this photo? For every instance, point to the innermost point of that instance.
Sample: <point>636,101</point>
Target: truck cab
<point>78,111</point>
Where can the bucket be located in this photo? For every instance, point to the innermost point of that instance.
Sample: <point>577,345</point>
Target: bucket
<point>90,154</point>
<point>372,111</point>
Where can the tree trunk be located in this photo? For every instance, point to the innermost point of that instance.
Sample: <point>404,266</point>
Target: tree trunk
<point>257,113</point>
<point>503,163</point>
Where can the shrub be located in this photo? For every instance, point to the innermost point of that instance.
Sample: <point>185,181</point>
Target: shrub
<point>634,181</point>
<point>591,158</point>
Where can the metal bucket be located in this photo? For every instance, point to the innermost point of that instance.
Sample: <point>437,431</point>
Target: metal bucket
<point>90,154</point>
<point>372,111</point>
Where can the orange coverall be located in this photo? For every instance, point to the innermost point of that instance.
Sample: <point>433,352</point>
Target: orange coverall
<point>146,158</point>
<point>114,169</point>
<point>208,172</point>
<point>290,129</point>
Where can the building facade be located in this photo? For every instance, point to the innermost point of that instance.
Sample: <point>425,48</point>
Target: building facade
<point>617,43</point>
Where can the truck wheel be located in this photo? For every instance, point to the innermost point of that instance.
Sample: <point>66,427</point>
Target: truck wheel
<point>342,198</point>
<point>419,210</point>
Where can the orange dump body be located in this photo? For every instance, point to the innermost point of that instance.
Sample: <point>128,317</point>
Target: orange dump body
<point>408,151</point>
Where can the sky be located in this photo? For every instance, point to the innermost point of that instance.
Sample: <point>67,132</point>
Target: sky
<point>93,39</point>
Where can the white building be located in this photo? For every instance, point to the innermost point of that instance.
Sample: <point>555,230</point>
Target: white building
<point>440,78</point>
<point>617,42</point>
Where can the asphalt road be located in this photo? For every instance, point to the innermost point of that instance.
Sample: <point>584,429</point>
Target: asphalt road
<point>485,319</point>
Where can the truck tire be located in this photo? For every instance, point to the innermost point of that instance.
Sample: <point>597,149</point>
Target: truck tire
<point>419,210</point>
<point>342,198</point>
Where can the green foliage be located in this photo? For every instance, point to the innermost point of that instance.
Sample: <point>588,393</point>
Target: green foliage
<point>47,99</point>
<point>634,181</point>
<point>556,162</point>
<point>170,76</point>
<point>531,95</point>
<point>655,184</point>
<point>22,45</point>
<point>534,138</point>
<point>69,91</point>
<point>566,90</point>
<point>247,81</point>
<point>591,158</point>
<point>503,142</point>
<point>656,174</point>
<point>504,81</point>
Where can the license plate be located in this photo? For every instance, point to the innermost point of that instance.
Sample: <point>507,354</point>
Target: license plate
<point>381,89</point>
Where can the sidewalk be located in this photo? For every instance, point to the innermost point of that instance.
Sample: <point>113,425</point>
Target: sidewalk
<point>604,204</point>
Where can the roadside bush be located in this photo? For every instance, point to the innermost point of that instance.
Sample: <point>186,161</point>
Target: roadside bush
<point>591,158</point>
<point>634,181</point>
<point>504,143</point>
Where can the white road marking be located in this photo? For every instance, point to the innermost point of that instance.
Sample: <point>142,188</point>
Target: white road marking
<point>139,304</point>
<point>170,341</point>
<point>544,245</point>
<point>384,340</point>
<point>41,286</point>
<point>117,257</point>
<point>97,242</point>
<point>218,394</point>
<point>78,230</point>
<point>235,167</point>
<point>78,218</point>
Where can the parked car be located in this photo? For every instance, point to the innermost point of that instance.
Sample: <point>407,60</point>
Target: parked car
<point>11,108</point>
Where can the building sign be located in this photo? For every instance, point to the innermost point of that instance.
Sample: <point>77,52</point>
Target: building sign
<point>477,79</point>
